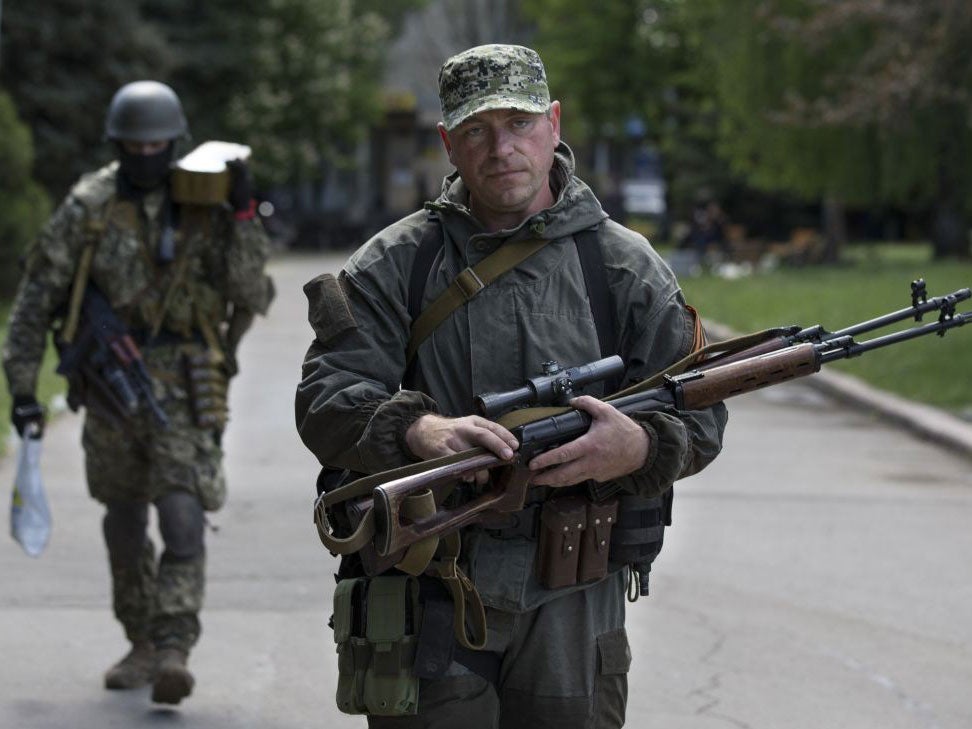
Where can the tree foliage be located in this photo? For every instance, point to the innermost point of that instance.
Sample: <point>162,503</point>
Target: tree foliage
<point>61,62</point>
<point>298,80</point>
<point>25,206</point>
<point>866,102</point>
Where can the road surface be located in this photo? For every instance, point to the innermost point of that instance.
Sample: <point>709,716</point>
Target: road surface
<point>818,575</point>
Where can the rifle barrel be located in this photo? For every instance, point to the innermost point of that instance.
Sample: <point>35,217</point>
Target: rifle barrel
<point>845,349</point>
<point>934,304</point>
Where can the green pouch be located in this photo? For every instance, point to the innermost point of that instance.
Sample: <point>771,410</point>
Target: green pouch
<point>390,686</point>
<point>353,648</point>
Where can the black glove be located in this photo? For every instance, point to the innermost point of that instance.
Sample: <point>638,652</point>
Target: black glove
<point>26,410</point>
<point>241,185</point>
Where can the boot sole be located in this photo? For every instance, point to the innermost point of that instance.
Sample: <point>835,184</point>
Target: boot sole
<point>171,687</point>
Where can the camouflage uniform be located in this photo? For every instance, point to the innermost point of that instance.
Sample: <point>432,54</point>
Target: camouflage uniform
<point>217,269</point>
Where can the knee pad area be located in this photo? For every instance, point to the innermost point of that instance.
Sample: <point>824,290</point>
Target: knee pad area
<point>124,527</point>
<point>181,523</point>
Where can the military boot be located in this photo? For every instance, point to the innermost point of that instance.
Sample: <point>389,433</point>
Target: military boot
<point>173,682</point>
<point>134,670</point>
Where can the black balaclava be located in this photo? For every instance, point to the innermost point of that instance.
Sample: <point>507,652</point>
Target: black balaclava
<point>145,171</point>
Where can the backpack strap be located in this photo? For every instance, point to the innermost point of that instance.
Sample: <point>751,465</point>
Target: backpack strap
<point>94,230</point>
<point>599,295</point>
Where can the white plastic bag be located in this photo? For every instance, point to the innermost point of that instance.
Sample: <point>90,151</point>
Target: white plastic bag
<point>30,519</point>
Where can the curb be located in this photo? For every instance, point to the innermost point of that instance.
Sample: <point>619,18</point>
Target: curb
<point>924,421</point>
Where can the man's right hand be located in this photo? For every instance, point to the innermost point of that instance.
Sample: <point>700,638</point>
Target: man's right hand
<point>26,410</point>
<point>432,436</point>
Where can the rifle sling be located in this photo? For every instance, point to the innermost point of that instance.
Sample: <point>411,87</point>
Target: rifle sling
<point>467,285</point>
<point>94,229</point>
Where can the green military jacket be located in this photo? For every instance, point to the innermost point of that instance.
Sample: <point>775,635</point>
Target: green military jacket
<point>217,268</point>
<point>352,413</point>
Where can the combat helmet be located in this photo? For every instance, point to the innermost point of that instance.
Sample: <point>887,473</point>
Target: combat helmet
<point>145,111</point>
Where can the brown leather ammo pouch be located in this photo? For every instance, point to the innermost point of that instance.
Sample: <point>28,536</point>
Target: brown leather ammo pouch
<point>596,540</point>
<point>561,523</point>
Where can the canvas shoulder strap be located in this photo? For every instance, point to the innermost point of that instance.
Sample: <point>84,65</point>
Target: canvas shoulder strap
<point>467,285</point>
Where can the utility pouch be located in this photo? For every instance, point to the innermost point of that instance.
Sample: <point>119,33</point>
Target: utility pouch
<point>207,383</point>
<point>353,649</point>
<point>596,540</point>
<point>376,625</point>
<point>561,523</point>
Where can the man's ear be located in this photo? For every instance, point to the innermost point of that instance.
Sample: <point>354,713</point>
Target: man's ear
<point>445,139</point>
<point>555,120</point>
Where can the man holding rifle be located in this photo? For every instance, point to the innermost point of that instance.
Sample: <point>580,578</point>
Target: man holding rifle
<point>417,325</point>
<point>146,298</point>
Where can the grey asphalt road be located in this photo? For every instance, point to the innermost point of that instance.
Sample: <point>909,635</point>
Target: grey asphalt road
<point>817,575</point>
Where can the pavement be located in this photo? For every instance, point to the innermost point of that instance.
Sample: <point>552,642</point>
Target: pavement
<point>817,574</point>
<point>924,421</point>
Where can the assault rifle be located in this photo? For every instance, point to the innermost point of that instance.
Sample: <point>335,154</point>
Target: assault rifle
<point>103,365</point>
<point>389,517</point>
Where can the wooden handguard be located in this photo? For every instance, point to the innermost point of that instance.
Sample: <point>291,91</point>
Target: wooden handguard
<point>394,532</point>
<point>701,389</point>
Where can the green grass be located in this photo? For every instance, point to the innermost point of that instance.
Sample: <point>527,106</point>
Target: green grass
<point>873,280</point>
<point>49,383</point>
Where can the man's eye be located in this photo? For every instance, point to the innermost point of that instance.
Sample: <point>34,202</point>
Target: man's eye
<point>522,123</point>
<point>473,131</point>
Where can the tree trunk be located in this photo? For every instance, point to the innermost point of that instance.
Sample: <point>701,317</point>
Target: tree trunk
<point>834,228</point>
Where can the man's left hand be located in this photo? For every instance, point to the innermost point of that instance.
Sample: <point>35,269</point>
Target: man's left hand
<point>614,446</point>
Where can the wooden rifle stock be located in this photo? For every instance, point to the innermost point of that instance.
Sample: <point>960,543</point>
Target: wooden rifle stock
<point>394,531</point>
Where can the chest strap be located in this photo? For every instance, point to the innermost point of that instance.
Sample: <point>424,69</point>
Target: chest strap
<point>467,285</point>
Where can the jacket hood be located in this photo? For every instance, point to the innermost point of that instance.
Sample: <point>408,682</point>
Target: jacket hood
<point>575,207</point>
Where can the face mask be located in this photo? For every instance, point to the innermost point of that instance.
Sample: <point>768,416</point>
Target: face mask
<point>145,171</point>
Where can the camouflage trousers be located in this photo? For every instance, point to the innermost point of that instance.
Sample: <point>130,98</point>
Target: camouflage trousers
<point>178,470</point>
<point>157,601</point>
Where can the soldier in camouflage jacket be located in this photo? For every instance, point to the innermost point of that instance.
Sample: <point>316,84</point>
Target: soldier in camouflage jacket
<point>186,280</point>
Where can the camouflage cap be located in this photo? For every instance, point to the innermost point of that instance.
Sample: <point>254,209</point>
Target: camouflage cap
<point>492,77</point>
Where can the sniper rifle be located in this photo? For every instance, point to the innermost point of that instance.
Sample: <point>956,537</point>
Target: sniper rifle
<point>387,504</point>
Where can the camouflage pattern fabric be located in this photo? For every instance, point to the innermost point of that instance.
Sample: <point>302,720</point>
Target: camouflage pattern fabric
<point>492,77</point>
<point>179,598</point>
<point>217,272</point>
<point>137,461</point>
<point>133,589</point>
<point>219,266</point>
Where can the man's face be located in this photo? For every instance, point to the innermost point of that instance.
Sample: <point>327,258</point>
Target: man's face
<point>504,157</point>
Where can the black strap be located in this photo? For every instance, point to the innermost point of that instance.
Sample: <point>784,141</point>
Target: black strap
<point>432,241</point>
<point>598,293</point>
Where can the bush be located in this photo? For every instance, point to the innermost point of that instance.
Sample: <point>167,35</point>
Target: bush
<point>24,206</point>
